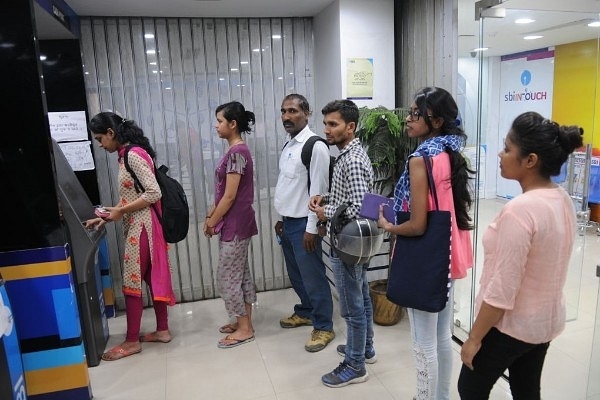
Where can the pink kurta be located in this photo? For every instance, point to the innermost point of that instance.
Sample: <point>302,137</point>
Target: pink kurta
<point>143,167</point>
<point>527,250</point>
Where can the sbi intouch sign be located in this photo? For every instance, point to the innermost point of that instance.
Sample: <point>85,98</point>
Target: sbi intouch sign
<point>527,94</point>
<point>526,84</point>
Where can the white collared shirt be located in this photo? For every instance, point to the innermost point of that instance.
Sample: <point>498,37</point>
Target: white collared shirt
<point>291,192</point>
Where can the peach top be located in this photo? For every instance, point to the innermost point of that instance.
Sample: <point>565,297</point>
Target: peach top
<point>526,255</point>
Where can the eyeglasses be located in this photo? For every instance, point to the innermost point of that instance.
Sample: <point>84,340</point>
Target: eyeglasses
<point>416,114</point>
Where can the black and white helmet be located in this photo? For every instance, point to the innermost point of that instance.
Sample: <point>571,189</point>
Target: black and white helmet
<point>355,241</point>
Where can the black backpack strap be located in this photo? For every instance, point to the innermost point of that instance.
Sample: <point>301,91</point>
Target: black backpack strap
<point>306,153</point>
<point>307,149</point>
<point>136,182</point>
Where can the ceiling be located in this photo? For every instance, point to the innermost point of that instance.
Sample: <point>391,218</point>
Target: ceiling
<point>200,8</point>
<point>558,21</point>
<point>501,35</point>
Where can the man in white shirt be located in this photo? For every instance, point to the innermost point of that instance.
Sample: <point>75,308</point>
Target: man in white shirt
<point>297,227</point>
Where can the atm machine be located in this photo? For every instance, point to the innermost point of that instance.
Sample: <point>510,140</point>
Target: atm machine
<point>84,244</point>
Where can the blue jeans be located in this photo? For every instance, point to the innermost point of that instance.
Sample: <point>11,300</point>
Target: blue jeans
<point>356,308</point>
<point>499,352</point>
<point>307,275</point>
<point>432,347</point>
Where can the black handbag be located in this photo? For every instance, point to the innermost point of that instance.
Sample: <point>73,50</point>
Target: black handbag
<point>419,275</point>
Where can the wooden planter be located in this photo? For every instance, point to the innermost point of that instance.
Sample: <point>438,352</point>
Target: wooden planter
<point>384,311</point>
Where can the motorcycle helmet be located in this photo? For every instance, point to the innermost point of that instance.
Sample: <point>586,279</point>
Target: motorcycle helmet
<point>355,241</point>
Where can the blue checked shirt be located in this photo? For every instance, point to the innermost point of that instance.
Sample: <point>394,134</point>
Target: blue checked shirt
<point>352,178</point>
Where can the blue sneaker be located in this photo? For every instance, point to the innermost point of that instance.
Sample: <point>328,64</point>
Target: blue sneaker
<point>370,356</point>
<point>344,375</point>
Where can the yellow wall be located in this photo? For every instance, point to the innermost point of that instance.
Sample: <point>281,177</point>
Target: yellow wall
<point>576,97</point>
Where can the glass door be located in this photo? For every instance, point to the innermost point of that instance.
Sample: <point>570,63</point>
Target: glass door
<point>515,59</point>
<point>593,388</point>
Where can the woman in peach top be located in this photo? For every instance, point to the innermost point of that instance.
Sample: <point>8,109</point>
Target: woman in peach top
<point>520,305</point>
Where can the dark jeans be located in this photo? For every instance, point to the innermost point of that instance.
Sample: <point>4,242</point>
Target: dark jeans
<point>307,275</point>
<point>499,352</point>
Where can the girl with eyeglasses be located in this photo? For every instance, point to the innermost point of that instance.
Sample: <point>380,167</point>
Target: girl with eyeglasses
<point>433,121</point>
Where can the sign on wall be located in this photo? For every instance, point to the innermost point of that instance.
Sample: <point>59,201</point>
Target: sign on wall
<point>526,83</point>
<point>69,129</point>
<point>68,126</point>
<point>360,79</point>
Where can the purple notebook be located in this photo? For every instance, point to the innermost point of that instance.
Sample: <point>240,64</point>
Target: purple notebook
<point>370,207</point>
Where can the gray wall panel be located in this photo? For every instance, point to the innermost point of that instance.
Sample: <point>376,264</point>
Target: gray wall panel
<point>169,75</point>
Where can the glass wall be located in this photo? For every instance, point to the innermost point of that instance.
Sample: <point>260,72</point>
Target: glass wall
<point>593,389</point>
<point>554,71</point>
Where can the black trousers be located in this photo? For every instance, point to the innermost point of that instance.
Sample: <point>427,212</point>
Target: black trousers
<point>498,353</point>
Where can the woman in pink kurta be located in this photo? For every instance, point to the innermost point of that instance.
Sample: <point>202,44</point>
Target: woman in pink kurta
<point>520,306</point>
<point>432,120</point>
<point>145,257</point>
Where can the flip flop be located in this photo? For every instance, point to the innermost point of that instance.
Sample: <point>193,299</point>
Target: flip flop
<point>119,352</point>
<point>234,342</point>
<point>227,328</point>
<point>152,337</point>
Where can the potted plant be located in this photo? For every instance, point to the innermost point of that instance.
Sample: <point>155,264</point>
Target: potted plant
<point>381,132</point>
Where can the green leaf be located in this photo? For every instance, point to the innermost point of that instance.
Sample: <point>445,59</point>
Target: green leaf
<point>381,132</point>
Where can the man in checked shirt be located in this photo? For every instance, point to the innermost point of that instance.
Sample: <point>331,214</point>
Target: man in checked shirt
<point>352,177</point>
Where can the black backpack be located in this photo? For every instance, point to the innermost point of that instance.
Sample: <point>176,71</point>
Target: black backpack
<point>175,218</point>
<point>306,155</point>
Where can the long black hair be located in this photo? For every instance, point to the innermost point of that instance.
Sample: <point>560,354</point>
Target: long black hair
<point>126,131</point>
<point>435,102</point>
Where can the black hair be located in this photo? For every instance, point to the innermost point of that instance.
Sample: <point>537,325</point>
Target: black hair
<point>126,131</point>
<point>235,111</point>
<point>302,102</point>
<point>347,109</point>
<point>435,102</point>
<point>552,143</point>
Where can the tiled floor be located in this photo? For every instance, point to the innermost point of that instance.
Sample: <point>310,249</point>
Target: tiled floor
<point>276,366</point>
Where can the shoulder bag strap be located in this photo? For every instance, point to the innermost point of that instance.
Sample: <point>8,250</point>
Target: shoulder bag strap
<point>432,189</point>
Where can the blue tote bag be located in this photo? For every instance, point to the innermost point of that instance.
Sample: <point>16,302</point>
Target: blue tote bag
<point>419,275</point>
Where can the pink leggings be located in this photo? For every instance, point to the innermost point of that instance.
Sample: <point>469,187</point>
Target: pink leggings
<point>134,305</point>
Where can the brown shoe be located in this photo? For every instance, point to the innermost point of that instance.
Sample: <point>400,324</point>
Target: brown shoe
<point>294,321</point>
<point>319,340</point>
